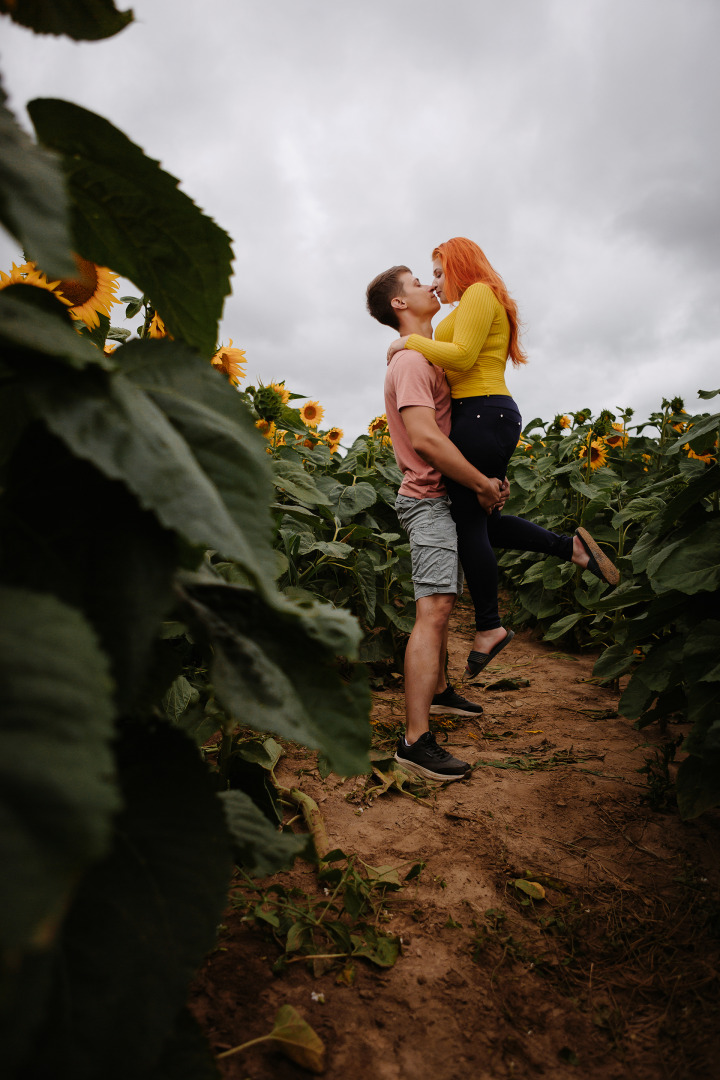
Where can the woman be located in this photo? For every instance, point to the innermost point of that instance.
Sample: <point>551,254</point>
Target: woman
<point>473,345</point>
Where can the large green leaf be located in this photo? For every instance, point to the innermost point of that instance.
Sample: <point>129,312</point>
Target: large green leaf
<point>259,847</point>
<point>33,203</point>
<point>129,215</point>
<point>142,918</point>
<point>365,573</point>
<point>56,767</point>
<point>274,669</point>
<point>82,20</point>
<point>656,673</point>
<point>347,500</point>
<point>614,662</point>
<point>690,565</point>
<point>200,471</point>
<point>701,653</point>
<point>290,477</point>
<point>69,531</point>
<point>220,433</point>
<point>186,1054</point>
<point>33,321</point>
<point>698,785</point>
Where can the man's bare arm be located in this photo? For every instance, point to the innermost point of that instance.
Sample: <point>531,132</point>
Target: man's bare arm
<point>432,446</point>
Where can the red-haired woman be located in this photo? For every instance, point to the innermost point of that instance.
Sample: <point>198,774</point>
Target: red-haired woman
<point>473,345</point>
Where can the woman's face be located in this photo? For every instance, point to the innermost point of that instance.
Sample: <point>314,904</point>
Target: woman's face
<point>439,281</point>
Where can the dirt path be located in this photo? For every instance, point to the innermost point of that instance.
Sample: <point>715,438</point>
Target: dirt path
<point>613,974</point>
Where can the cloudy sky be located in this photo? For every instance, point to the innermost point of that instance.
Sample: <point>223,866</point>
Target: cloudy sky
<point>574,140</point>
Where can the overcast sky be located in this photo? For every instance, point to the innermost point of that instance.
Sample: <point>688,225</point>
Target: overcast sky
<point>574,140</point>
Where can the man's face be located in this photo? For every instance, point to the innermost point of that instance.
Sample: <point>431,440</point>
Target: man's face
<point>418,299</point>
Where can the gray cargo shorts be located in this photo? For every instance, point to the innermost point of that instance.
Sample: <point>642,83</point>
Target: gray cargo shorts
<point>433,545</point>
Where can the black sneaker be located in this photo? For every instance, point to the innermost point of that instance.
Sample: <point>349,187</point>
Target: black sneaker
<point>426,758</point>
<point>451,702</point>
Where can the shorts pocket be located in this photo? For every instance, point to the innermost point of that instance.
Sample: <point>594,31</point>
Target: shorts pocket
<point>434,558</point>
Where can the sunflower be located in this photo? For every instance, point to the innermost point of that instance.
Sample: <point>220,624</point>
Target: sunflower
<point>28,274</point>
<point>279,388</point>
<point>707,458</point>
<point>564,422</point>
<point>312,413</point>
<point>91,293</point>
<point>334,435</point>
<point>156,329</point>
<point>280,437</point>
<point>266,428</point>
<point>598,453</point>
<point>231,362</point>
<point>378,425</point>
<point>620,439</point>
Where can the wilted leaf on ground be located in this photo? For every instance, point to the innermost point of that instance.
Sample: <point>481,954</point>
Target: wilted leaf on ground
<point>298,1041</point>
<point>531,888</point>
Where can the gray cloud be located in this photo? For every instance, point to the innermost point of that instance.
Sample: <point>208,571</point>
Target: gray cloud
<point>572,141</point>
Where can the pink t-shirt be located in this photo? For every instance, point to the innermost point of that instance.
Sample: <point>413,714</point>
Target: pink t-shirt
<point>413,380</point>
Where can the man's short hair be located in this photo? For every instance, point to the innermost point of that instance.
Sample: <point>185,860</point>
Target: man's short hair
<point>381,292</point>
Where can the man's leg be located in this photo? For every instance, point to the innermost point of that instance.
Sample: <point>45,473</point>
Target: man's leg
<point>423,665</point>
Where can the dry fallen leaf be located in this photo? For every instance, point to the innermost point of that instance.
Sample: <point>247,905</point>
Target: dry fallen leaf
<point>297,1039</point>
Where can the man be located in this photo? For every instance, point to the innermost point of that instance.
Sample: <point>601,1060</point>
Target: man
<point>418,406</point>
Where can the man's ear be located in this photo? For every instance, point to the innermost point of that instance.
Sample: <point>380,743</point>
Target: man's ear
<point>398,303</point>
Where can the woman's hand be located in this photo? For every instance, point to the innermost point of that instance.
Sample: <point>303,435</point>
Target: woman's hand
<point>396,346</point>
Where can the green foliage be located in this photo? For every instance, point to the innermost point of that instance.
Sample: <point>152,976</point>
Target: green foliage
<point>137,564</point>
<point>33,203</point>
<point>87,20</point>
<point>336,927</point>
<point>128,214</point>
<point>652,501</point>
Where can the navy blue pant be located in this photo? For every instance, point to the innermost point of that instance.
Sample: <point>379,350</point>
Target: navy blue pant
<point>486,431</point>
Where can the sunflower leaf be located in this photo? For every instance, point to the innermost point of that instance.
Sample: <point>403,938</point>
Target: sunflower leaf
<point>88,20</point>
<point>33,203</point>
<point>128,214</point>
<point>170,428</point>
<point>56,773</point>
<point>274,666</point>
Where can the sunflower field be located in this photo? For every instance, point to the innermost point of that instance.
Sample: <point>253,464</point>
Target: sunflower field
<point>648,492</point>
<point>184,555</point>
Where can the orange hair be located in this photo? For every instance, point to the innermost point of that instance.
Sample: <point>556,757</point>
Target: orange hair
<point>464,263</point>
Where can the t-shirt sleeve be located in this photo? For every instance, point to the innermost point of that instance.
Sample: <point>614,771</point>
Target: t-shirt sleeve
<point>474,318</point>
<point>414,380</point>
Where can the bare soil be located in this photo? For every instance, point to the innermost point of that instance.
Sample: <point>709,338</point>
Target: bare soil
<point>613,974</point>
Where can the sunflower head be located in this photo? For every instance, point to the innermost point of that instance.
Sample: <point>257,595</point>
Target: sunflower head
<point>564,422</point>
<point>156,329</point>
<point>334,435</point>
<point>619,438</point>
<point>706,457</point>
<point>231,362</point>
<point>598,453</point>
<point>312,413</point>
<point>279,388</point>
<point>91,294</point>
<point>266,428</point>
<point>378,425</point>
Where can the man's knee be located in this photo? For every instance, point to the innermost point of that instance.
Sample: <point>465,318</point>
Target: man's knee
<point>435,610</point>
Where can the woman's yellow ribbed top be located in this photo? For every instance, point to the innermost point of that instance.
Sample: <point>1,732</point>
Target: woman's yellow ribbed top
<point>471,344</point>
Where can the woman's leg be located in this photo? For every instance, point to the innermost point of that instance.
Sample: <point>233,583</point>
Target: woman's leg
<point>486,431</point>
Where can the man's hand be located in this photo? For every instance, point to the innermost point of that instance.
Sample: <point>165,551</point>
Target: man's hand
<point>495,494</point>
<point>397,345</point>
<point>490,494</point>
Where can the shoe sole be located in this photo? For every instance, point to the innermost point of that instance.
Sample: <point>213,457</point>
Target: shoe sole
<point>438,710</point>
<point>604,565</point>
<point>420,770</point>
